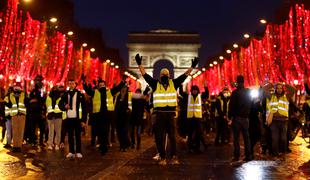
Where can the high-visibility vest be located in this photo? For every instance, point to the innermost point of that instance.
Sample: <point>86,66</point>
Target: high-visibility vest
<point>165,97</point>
<point>308,102</point>
<point>20,107</point>
<point>222,106</point>
<point>267,106</point>
<point>49,106</point>
<point>7,110</point>
<point>110,102</point>
<point>280,105</point>
<point>96,101</point>
<point>194,108</point>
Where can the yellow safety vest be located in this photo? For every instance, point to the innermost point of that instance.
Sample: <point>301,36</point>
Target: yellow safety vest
<point>267,106</point>
<point>7,110</point>
<point>49,106</point>
<point>163,97</point>
<point>194,108</point>
<point>96,101</point>
<point>222,106</point>
<point>110,102</point>
<point>280,105</point>
<point>308,102</point>
<point>20,108</point>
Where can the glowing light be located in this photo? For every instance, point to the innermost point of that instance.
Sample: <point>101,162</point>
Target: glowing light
<point>53,20</point>
<point>23,33</point>
<point>228,51</point>
<point>70,33</point>
<point>221,57</point>
<point>18,79</point>
<point>296,82</point>
<point>246,36</point>
<point>116,67</point>
<point>235,45</point>
<point>27,1</point>
<point>1,76</point>
<point>203,69</point>
<point>254,93</point>
<point>215,62</point>
<point>263,21</point>
<point>211,65</point>
<point>92,49</point>
<point>112,63</point>
<point>84,44</point>
<point>1,20</point>
<point>108,61</point>
<point>31,82</point>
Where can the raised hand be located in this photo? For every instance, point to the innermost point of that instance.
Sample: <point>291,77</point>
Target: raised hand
<point>138,59</point>
<point>194,62</point>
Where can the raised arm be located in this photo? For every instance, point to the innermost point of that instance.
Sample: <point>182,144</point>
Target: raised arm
<point>139,61</point>
<point>266,89</point>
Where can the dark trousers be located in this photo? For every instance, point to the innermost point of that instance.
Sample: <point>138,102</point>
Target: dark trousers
<point>35,121</point>
<point>241,125</point>
<point>103,131</point>
<point>63,131</point>
<point>73,126</point>
<point>222,130</point>
<point>195,134</point>
<point>136,131</point>
<point>95,129</point>
<point>279,136</point>
<point>111,125</point>
<point>166,125</point>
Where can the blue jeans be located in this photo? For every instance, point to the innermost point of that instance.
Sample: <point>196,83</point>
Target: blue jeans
<point>8,125</point>
<point>279,136</point>
<point>241,125</point>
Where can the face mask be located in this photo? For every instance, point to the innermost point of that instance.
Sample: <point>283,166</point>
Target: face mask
<point>164,79</point>
<point>225,95</point>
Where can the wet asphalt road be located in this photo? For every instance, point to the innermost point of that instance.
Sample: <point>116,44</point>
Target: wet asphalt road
<point>214,163</point>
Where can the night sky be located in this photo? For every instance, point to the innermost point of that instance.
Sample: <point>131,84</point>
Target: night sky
<point>219,21</point>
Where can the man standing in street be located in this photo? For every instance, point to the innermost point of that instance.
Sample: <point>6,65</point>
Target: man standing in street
<point>73,103</point>
<point>165,103</point>
<point>239,110</point>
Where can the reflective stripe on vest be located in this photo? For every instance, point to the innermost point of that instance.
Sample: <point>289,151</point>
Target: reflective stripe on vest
<point>130,100</point>
<point>20,108</point>
<point>110,103</point>
<point>49,106</point>
<point>308,102</point>
<point>96,101</point>
<point>280,105</point>
<point>194,108</point>
<point>7,110</point>
<point>163,97</point>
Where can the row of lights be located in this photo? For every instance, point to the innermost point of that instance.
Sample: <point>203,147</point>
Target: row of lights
<point>130,75</point>
<point>111,63</point>
<point>235,45</point>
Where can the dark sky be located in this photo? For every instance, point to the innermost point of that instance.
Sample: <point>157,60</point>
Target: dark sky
<point>219,21</point>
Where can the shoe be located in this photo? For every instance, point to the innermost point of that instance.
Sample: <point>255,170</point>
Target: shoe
<point>79,155</point>
<point>70,155</point>
<point>162,162</point>
<point>7,146</point>
<point>175,161</point>
<point>16,149</point>
<point>156,157</point>
<point>56,147</point>
<point>62,146</point>
<point>50,147</point>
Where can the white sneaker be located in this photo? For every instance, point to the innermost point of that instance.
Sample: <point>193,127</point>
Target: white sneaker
<point>62,145</point>
<point>156,157</point>
<point>50,147</point>
<point>56,147</point>
<point>70,155</point>
<point>79,155</point>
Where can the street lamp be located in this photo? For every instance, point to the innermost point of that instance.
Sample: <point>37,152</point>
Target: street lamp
<point>84,44</point>
<point>263,21</point>
<point>235,45</point>
<point>211,65</point>
<point>53,20</point>
<point>108,61</point>
<point>246,35</point>
<point>70,33</point>
<point>221,57</point>
<point>92,49</point>
<point>27,1</point>
<point>228,51</point>
<point>203,69</point>
<point>215,62</point>
<point>112,63</point>
<point>116,67</point>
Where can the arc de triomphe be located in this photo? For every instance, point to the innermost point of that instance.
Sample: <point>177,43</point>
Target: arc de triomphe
<point>162,48</point>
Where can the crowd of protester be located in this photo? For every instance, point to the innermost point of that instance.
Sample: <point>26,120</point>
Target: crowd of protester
<point>267,118</point>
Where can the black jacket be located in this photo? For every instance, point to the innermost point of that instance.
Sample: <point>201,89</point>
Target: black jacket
<point>240,103</point>
<point>79,100</point>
